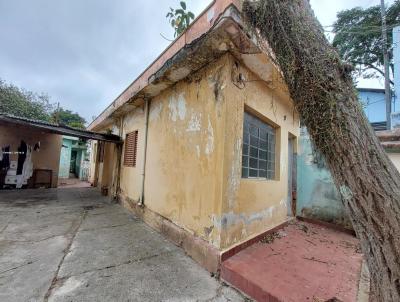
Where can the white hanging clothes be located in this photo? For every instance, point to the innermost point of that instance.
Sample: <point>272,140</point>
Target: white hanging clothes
<point>27,169</point>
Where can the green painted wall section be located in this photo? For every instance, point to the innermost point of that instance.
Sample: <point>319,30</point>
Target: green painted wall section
<point>317,197</point>
<point>65,158</point>
<point>70,144</point>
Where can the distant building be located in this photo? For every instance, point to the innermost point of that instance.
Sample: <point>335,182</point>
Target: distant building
<point>373,102</point>
<point>30,151</point>
<point>72,158</point>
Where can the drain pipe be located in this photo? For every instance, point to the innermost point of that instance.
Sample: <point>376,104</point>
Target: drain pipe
<point>146,112</point>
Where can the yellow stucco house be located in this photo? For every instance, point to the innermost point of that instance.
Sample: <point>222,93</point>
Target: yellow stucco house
<point>210,136</point>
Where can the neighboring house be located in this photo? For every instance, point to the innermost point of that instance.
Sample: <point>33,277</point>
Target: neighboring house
<point>72,158</point>
<point>210,134</point>
<point>373,102</point>
<point>30,150</point>
<point>396,60</point>
<point>17,140</point>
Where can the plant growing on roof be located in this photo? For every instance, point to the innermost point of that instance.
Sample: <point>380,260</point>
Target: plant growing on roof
<point>180,18</point>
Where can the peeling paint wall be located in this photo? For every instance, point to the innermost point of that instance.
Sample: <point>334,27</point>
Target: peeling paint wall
<point>317,197</point>
<point>107,167</point>
<point>184,160</point>
<point>253,206</point>
<point>92,161</point>
<point>131,177</point>
<point>193,168</point>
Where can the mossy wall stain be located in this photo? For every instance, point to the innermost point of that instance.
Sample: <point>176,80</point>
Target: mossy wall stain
<point>252,206</point>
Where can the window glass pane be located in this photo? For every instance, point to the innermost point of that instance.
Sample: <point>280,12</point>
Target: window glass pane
<point>262,173</point>
<point>245,149</point>
<point>253,163</point>
<point>253,152</point>
<point>253,173</point>
<point>263,134</point>
<point>258,158</point>
<point>253,130</point>
<point>253,141</point>
<point>263,145</point>
<point>245,161</point>
<point>245,172</point>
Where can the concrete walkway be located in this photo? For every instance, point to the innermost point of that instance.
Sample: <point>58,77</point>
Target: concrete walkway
<point>73,245</point>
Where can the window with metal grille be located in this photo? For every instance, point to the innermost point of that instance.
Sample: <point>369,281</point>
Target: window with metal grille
<point>258,157</point>
<point>131,149</point>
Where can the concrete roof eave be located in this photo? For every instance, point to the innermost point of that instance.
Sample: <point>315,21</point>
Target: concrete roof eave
<point>209,35</point>
<point>221,32</point>
<point>14,121</point>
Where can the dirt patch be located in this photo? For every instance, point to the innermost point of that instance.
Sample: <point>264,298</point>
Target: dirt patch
<point>270,238</point>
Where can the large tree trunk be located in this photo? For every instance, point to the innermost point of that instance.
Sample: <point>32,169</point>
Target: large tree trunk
<point>325,97</point>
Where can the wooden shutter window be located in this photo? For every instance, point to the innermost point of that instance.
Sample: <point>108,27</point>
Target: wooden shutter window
<point>131,149</point>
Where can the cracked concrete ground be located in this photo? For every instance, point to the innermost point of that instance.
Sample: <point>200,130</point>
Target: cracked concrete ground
<point>74,245</point>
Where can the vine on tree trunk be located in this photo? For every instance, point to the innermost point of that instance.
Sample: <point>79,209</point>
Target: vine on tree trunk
<point>325,98</point>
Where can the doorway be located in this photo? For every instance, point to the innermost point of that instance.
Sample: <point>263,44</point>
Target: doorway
<point>292,174</point>
<point>72,166</point>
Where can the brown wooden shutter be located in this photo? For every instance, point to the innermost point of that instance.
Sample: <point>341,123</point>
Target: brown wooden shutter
<point>131,149</point>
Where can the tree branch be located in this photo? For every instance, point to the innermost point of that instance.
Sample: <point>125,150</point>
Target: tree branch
<point>372,67</point>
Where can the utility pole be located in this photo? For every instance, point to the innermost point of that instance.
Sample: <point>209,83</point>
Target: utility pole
<point>58,113</point>
<point>388,97</point>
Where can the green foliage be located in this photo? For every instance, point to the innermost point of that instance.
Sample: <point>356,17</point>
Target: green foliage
<point>358,38</point>
<point>67,117</point>
<point>180,18</point>
<point>23,103</point>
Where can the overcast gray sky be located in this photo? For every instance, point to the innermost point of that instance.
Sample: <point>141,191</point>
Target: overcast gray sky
<point>83,53</point>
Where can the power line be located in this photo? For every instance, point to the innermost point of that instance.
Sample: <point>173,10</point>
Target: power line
<point>368,26</point>
<point>360,30</point>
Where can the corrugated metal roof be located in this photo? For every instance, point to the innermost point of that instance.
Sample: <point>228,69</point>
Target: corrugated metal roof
<point>58,128</point>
